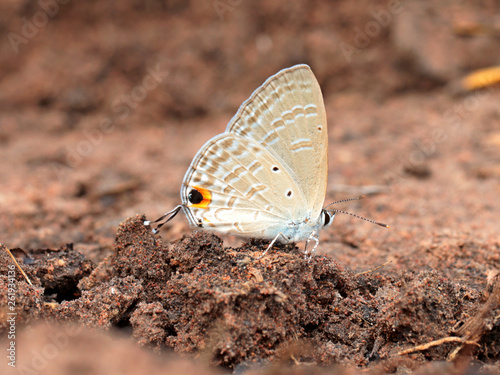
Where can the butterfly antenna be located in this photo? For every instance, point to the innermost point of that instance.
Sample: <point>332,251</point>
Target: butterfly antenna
<point>169,216</point>
<point>357,216</point>
<point>346,200</point>
<point>361,217</point>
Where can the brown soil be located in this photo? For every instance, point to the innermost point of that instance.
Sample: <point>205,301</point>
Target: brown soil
<point>103,106</point>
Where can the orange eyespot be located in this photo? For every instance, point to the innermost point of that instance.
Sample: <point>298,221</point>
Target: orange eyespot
<point>199,197</point>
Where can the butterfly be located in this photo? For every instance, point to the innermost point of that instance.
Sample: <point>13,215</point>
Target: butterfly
<point>265,177</point>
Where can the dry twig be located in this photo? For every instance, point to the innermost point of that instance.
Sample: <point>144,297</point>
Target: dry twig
<point>17,264</point>
<point>471,332</point>
<point>431,344</point>
<point>374,269</point>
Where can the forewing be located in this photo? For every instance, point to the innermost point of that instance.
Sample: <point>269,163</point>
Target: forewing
<point>286,115</point>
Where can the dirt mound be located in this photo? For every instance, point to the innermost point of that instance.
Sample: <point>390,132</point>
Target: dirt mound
<point>228,305</point>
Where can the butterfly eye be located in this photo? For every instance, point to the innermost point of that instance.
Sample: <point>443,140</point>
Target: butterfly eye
<point>327,218</point>
<point>195,196</point>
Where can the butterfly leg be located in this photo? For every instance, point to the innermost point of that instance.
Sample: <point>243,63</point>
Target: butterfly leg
<point>313,237</point>
<point>272,243</point>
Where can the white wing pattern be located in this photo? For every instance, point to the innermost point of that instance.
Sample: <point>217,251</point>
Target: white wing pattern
<point>269,169</point>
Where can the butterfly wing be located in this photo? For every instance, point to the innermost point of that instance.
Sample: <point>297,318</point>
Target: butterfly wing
<point>234,185</point>
<point>287,116</point>
<point>269,169</point>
